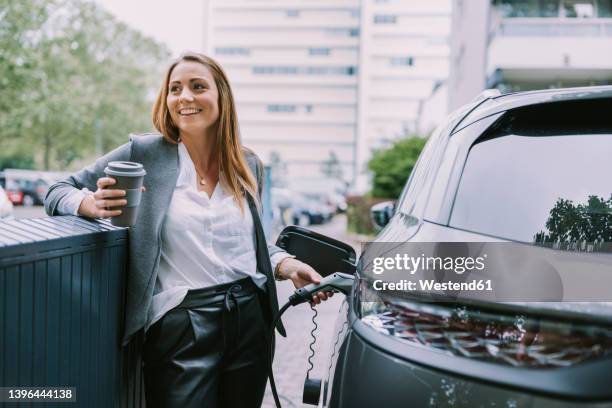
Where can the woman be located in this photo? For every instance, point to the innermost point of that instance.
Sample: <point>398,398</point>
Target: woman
<point>201,281</point>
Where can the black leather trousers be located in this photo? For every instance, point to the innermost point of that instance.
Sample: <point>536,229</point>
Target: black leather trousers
<point>210,351</point>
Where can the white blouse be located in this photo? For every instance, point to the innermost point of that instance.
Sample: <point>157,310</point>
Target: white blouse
<point>206,241</point>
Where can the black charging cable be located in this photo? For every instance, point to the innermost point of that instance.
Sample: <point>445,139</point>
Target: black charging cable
<point>314,340</point>
<point>340,282</point>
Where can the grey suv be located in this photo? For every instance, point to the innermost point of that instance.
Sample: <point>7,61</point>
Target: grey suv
<point>531,168</point>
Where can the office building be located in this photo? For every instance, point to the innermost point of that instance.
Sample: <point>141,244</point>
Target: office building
<point>523,45</point>
<point>293,67</point>
<point>322,82</point>
<point>404,61</point>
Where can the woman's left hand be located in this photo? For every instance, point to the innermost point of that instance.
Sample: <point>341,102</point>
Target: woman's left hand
<point>302,274</point>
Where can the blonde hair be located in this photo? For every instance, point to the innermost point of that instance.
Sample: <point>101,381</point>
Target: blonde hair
<point>234,170</point>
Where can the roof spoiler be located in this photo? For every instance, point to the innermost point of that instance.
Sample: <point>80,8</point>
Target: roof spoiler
<point>486,94</point>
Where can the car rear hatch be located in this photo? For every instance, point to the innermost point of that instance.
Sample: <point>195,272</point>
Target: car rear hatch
<point>539,176</point>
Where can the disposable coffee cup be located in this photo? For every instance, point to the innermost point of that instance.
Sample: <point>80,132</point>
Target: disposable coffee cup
<point>129,177</point>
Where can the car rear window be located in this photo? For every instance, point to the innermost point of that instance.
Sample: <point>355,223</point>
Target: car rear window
<point>12,185</point>
<point>541,175</point>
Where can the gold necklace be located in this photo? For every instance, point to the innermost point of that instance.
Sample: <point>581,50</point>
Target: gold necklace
<point>202,181</point>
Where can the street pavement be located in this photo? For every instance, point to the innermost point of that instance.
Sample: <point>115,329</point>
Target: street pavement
<point>291,358</point>
<point>36,211</point>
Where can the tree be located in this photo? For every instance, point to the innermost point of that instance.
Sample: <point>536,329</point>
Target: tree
<point>391,167</point>
<point>70,69</point>
<point>331,168</point>
<point>17,161</point>
<point>572,225</point>
<point>278,170</point>
<point>20,23</point>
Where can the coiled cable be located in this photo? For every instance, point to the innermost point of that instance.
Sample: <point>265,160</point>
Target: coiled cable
<point>314,340</point>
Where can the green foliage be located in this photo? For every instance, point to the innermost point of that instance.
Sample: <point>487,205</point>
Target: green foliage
<point>73,80</point>
<point>392,167</point>
<point>570,224</point>
<point>331,168</point>
<point>358,214</point>
<point>17,161</point>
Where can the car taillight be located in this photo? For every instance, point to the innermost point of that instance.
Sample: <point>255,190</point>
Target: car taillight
<point>15,196</point>
<point>518,340</point>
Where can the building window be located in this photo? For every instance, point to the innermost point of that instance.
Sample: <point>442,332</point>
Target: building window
<point>308,108</point>
<point>319,51</point>
<point>232,51</point>
<point>554,8</point>
<point>385,19</point>
<point>342,32</point>
<point>578,9</point>
<point>293,13</point>
<point>282,108</point>
<point>402,61</point>
<point>275,70</point>
<point>525,8</point>
<point>271,70</point>
<point>604,9</point>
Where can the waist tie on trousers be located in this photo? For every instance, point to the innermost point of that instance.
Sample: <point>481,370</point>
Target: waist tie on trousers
<point>225,295</point>
<point>227,310</point>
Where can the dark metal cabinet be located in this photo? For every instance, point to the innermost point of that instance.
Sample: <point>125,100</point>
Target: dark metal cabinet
<point>62,292</point>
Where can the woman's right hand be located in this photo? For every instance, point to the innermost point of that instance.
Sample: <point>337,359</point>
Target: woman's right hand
<point>101,203</point>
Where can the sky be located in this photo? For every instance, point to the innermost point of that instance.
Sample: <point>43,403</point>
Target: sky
<point>178,23</point>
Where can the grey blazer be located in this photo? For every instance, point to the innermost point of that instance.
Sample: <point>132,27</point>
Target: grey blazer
<point>160,159</point>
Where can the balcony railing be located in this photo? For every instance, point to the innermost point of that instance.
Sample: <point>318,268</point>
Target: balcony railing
<point>552,27</point>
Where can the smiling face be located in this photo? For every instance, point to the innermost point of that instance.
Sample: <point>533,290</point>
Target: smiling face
<point>192,98</point>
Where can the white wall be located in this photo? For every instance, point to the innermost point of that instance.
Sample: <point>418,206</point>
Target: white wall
<point>470,29</point>
<point>550,52</point>
<point>391,91</point>
<point>309,111</point>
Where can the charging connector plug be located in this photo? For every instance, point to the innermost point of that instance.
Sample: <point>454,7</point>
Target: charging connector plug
<point>341,282</point>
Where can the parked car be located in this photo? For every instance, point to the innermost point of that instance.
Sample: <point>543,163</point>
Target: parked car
<point>308,211</point>
<point>27,192</point>
<point>502,168</point>
<point>327,202</point>
<point>339,201</point>
<point>6,207</point>
<point>282,213</point>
